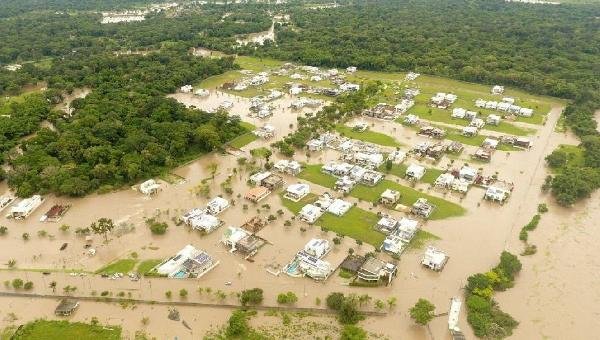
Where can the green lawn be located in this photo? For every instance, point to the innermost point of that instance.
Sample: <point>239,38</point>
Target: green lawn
<point>295,207</point>
<point>444,116</point>
<point>356,223</point>
<point>312,173</point>
<point>147,265</point>
<point>399,170</point>
<point>120,266</point>
<point>245,139</point>
<point>574,157</point>
<point>61,330</point>
<point>368,136</point>
<point>420,239</point>
<point>445,209</point>
<point>409,196</point>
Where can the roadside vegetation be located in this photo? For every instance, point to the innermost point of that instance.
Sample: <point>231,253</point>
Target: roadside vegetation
<point>58,330</point>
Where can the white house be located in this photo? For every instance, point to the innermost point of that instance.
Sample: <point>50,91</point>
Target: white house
<point>469,131</point>
<point>470,115</point>
<point>295,90</point>
<point>397,156</point>
<point>296,192</point>
<point>389,197</point>
<point>339,207</point>
<point>371,178</point>
<point>434,259</point>
<point>25,207</point>
<point>201,92</point>
<point>5,201</point>
<point>258,177</point>
<point>491,105</point>
<point>289,167</point>
<point>490,143</point>
<point>503,106</point>
<point>480,103</point>
<point>458,112</point>
<point>525,112</point>
<point>477,122</point>
<point>316,78</point>
<point>315,145</point>
<point>415,171</point>
<point>188,262</point>
<point>387,224</point>
<point>407,229</point>
<point>232,236</point>
<point>186,88</point>
<point>317,247</point>
<point>411,119</point>
<point>444,180</point>
<point>310,213</point>
<point>497,89</point>
<point>217,205</point>
<point>351,69</point>
<point>467,173</point>
<point>496,194</point>
<point>149,187</point>
<point>394,244</point>
<point>493,119</point>
<point>509,100</point>
<point>206,223</point>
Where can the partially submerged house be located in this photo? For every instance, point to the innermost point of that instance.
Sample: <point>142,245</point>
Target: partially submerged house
<point>189,262</point>
<point>496,194</point>
<point>288,167</point>
<point>25,207</point>
<point>55,213</point>
<point>217,205</point>
<point>240,240</point>
<point>397,156</point>
<point>317,247</point>
<point>386,224</point>
<point>375,270</point>
<point>422,208</point>
<point>434,259</point>
<point>149,187</point>
<point>66,307</point>
<point>257,194</point>
<point>310,213</point>
<point>258,177</point>
<point>205,222</point>
<point>5,201</point>
<point>272,182</point>
<point>296,192</point>
<point>308,261</point>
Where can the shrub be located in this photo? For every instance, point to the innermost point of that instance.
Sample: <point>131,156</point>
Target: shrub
<point>287,298</point>
<point>251,296</point>
<point>334,300</point>
<point>28,285</point>
<point>157,228</point>
<point>17,283</point>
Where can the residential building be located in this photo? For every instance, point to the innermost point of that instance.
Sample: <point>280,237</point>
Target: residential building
<point>339,207</point>
<point>272,182</point>
<point>415,172</point>
<point>496,194</point>
<point>406,229</point>
<point>397,156</point>
<point>444,180</point>
<point>387,224</point>
<point>186,88</point>
<point>345,184</point>
<point>257,194</point>
<point>187,263</point>
<point>422,208</point>
<point>468,174</point>
<point>371,178</point>
<point>289,167</point>
<point>25,207</point>
<point>434,259</point>
<point>310,213</point>
<point>374,270</point>
<point>296,192</point>
<point>217,205</point>
<point>497,89</point>
<point>258,177</point>
<point>389,197</point>
<point>493,120</point>
<point>470,131</point>
<point>66,307</point>
<point>317,247</point>
<point>149,187</point>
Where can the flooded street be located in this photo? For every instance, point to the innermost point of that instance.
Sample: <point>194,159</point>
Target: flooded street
<point>548,299</point>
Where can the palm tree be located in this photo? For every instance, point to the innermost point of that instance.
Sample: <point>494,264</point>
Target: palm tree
<point>53,286</point>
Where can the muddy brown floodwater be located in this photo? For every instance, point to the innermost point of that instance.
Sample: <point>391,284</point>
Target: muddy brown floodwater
<point>550,298</point>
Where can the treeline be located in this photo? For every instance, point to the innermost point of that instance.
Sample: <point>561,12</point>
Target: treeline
<point>49,34</point>
<point>125,130</point>
<point>15,7</point>
<point>483,313</point>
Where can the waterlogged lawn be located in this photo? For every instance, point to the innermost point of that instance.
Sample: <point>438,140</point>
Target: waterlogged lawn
<point>120,266</point>
<point>368,136</point>
<point>409,196</point>
<point>62,330</point>
<point>312,173</point>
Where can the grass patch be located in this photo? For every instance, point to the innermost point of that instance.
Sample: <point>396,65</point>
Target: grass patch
<point>313,173</point>
<point>409,196</point>
<point>444,116</point>
<point>356,223</point>
<point>243,140</point>
<point>147,265</point>
<point>367,136</point>
<point>59,330</point>
<point>575,157</point>
<point>119,266</point>
<point>346,274</point>
<point>420,239</point>
<point>295,207</point>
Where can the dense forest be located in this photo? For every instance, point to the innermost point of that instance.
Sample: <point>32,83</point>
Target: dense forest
<point>124,131</point>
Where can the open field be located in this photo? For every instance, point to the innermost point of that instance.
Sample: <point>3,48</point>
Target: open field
<point>59,330</point>
<point>368,136</point>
